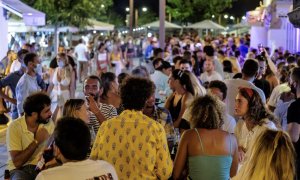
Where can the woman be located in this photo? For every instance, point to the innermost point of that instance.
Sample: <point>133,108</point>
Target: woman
<point>182,86</point>
<point>102,59</point>
<point>271,157</point>
<point>116,59</point>
<point>61,86</point>
<point>210,152</point>
<point>76,108</point>
<point>129,53</point>
<point>255,119</point>
<point>227,68</point>
<point>110,93</point>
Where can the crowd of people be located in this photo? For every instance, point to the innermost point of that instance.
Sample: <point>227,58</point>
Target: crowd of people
<point>211,108</point>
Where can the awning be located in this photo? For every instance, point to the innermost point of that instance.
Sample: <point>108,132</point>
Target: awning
<point>100,26</point>
<point>168,25</point>
<point>31,16</point>
<point>206,24</point>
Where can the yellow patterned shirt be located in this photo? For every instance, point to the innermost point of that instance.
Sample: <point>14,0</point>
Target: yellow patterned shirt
<point>136,145</point>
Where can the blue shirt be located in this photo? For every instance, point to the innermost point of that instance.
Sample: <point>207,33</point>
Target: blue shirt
<point>26,86</point>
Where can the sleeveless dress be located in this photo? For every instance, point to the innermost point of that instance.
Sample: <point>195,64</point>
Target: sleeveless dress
<point>204,167</point>
<point>102,61</point>
<point>59,96</point>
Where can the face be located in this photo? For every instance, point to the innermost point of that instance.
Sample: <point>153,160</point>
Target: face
<point>241,105</point>
<point>151,101</point>
<point>114,87</point>
<point>92,88</point>
<point>167,71</point>
<point>262,67</point>
<point>44,116</point>
<point>217,92</point>
<point>83,114</point>
<point>208,66</point>
<point>33,64</point>
<point>186,67</point>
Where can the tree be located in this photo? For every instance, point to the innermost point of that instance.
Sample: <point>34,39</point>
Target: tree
<point>70,12</point>
<point>192,11</point>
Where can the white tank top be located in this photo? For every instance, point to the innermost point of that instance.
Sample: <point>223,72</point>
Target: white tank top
<point>102,56</point>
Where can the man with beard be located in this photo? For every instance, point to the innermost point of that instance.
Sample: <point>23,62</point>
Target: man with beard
<point>293,115</point>
<point>99,111</point>
<point>27,136</point>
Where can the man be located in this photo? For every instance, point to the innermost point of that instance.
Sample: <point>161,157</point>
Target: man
<point>11,80</point>
<point>176,62</point>
<point>26,137</point>
<point>163,116</point>
<point>81,53</point>
<point>72,142</point>
<point>249,73</point>
<point>28,83</point>
<point>17,64</point>
<point>160,77</point>
<point>219,89</point>
<point>100,112</point>
<point>260,82</point>
<point>209,73</point>
<point>293,115</point>
<point>186,65</point>
<point>135,144</point>
<point>210,55</point>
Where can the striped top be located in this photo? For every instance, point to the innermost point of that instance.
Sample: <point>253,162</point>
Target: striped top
<point>108,111</point>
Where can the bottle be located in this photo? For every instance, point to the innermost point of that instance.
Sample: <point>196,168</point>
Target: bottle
<point>6,175</point>
<point>46,157</point>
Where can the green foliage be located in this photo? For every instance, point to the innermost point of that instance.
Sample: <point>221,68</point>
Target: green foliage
<point>70,12</point>
<point>146,17</point>
<point>196,10</point>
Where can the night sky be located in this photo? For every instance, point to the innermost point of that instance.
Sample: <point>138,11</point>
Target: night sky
<point>238,9</point>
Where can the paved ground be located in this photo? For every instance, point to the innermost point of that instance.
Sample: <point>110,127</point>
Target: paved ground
<point>3,149</point>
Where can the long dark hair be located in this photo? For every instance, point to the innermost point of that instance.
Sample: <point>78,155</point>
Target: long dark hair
<point>184,80</point>
<point>107,78</point>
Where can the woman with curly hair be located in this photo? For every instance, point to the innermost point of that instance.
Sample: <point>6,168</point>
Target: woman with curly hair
<point>210,152</point>
<point>255,118</point>
<point>271,157</point>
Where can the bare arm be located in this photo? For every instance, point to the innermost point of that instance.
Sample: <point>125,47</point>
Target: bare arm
<point>181,157</point>
<point>183,107</point>
<point>72,84</point>
<point>19,158</point>
<point>4,96</point>
<point>235,156</point>
<point>294,131</point>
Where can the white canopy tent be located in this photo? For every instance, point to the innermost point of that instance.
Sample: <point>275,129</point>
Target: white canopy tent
<point>60,29</point>
<point>99,26</point>
<point>241,25</point>
<point>206,24</point>
<point>18,26</point>
<point>168,25</point>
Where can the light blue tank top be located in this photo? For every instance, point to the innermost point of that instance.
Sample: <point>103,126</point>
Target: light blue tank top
<point>208,167</point>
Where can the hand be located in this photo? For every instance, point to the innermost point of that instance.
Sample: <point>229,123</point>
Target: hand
<point>241,153</point>
<point>13,101</point>
<point>93,105</point>
<point>41,135</point>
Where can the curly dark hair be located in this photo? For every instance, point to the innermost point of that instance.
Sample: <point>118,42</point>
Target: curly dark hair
<point>256,108</point>
<point>135,91</point>
<point>206,113</point>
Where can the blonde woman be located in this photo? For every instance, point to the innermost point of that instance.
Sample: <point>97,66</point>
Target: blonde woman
<point>271,157</point>
<point>76,108</point>
<point>61,82</point>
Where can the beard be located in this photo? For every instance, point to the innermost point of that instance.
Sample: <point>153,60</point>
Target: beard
<point>95,96</point>
<point>41,120</point>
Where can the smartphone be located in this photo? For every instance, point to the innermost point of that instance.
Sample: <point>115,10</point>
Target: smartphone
<point>260,48</point>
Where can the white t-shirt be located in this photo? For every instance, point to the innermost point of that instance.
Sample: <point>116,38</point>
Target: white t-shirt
<point>204,77</point>
<point>229,124</point>
<point>276,93</point>
<point>15,66</point>
<point>246,137</point>
<point>81,51</point>
<point>87,169</point>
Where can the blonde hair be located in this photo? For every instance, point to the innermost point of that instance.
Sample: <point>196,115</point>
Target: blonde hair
<point>72,106</point>
<point>198,88</point>
<point>67,67</point>
<point>271,157</point>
